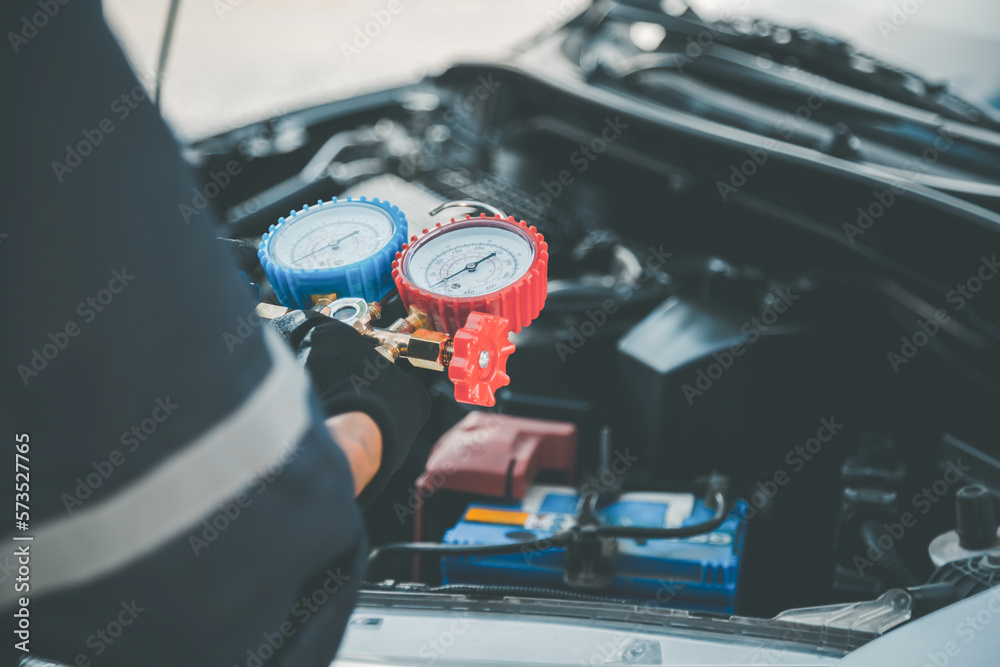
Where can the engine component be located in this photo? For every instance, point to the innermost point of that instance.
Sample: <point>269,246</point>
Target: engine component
<point>695,572</point>
<point>969,576</point>
<point>590,558</point>
<point>498,455</point>
<point>491,265</point>
<point>976,521</point>
<point>976,528</point>
<point>981,460</point>
<point>343,246</point>
<point>870,502</point>
<point>892,608</point>
<point>658,365</point>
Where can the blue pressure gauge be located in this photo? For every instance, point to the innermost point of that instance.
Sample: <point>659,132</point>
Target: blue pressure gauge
<point>345,246</point>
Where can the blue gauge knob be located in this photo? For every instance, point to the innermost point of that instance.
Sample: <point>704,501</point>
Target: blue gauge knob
<point>345,246</point>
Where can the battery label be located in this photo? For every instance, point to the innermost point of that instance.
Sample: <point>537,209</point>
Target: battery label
<point>504,517</point>
<point>545,521</point>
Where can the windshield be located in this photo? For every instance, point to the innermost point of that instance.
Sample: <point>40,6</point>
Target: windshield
<point>232,62</point>
<point>957,41</point>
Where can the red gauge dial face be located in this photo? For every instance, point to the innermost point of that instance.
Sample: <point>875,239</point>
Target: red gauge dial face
<point>486,265</point>
<point>469,260</point>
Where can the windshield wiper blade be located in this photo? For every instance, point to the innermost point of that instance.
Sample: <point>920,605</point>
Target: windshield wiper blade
<point>811,51</point>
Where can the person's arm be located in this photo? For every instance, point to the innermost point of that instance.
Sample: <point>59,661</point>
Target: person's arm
<point>340,363</point>
<point>184,484</point>
<point>358,436</point>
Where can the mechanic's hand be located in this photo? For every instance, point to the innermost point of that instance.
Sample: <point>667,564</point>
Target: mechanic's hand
<point>350,376</point>
<point>360,439</point>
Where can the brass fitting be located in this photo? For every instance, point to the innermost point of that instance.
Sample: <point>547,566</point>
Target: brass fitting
<point>351,311</point>
<point>411,337</point>
<point>415,320</point>
<point>270,311</point>
<point>429,349</point>
<point>323,299</point>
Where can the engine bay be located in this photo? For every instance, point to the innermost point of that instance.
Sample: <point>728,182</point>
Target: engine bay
<point>729,402</point>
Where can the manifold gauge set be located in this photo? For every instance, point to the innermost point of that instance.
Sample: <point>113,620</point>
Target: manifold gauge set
<point>466,284</point>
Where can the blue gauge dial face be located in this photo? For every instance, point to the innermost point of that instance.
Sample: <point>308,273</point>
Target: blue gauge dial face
<point>331,237</point>
<point>470,261</point>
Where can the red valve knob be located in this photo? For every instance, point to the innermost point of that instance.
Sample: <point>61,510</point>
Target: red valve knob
<point>519,300</point>
<point>479,359</point>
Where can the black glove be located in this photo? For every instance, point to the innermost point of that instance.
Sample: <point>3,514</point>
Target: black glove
<point>242,252</point>
<point>350,376</point>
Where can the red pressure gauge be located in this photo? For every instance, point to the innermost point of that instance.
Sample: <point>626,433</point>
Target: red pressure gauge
<point>492,265</point>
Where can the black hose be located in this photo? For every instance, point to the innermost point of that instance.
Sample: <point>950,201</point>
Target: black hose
<point>501,590</point>
<point>557,540</point>
<point>587,297</point>
<point>890,564</point>
<point>437,548</point>
<point>643,533</point>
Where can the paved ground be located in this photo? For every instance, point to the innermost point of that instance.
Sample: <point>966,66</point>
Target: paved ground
<point>235,61</point>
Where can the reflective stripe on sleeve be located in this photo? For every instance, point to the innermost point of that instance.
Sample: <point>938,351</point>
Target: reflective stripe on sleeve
<point>173,497</point>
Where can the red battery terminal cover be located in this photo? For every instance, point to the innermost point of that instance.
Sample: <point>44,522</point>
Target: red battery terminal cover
<point>498,455</point>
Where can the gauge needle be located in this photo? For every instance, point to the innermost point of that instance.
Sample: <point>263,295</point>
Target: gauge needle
<point>335,245</point>
<point>471,266</point>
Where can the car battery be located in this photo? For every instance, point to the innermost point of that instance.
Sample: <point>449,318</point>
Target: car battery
<point>698,573</point>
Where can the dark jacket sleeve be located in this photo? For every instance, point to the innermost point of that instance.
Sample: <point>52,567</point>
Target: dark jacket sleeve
<point>187,505</point>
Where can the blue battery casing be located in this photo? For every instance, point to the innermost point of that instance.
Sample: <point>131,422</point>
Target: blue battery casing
<point>699,573</point>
